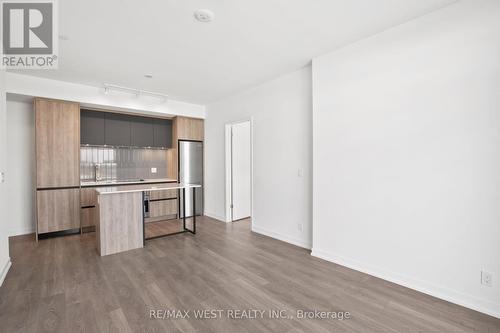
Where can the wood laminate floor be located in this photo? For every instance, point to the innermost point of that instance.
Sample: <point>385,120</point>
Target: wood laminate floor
<point>62,285</point>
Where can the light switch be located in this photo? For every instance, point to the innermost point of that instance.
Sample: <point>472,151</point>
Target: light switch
<point>153,170</point>
<point>299,173</point>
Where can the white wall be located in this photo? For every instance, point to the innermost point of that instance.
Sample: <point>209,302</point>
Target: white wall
<point>407,154</point>
<point>4,242</point>
<point>20,168</point>
<point>281,111</point>
<point>25,85</point>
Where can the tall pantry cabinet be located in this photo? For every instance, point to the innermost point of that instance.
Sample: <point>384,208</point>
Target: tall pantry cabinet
<point>57,133</point>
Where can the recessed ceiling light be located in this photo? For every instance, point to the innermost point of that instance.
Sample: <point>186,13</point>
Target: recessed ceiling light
<point>204,15</point>
<point>148,76</point>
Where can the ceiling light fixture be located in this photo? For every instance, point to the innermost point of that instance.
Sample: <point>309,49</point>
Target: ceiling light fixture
<point>133,91</point>
<point>204,15</point>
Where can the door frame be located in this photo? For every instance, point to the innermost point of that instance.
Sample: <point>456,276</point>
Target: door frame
<point>228,168</point>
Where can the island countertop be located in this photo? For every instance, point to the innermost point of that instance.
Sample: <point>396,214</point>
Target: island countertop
<point>143,188</point>
<point>126,182</point>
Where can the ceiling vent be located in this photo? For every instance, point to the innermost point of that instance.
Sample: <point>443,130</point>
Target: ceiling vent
<point>204,15</point>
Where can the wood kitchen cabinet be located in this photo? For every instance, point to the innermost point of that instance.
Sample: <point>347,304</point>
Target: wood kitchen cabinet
<point>162,205</point>
<point>57,133</point>
<point>88,204</point>
<point>88,218</point>
<point>166,209</point>
<point>88,197</point>
<point>189,128</point>
<point>58,210</point>
<point>57,127</point>
<point>164,194</point>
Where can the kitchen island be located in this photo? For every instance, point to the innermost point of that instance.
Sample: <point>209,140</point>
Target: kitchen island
<point>121,211</point>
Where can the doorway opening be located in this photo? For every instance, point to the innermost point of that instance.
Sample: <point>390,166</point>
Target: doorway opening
<point>239,171</point>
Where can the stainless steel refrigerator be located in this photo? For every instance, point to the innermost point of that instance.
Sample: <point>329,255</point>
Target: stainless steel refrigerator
<point>191,172</point>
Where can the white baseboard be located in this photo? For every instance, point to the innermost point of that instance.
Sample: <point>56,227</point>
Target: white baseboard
<point>216,217</point>
<point>282,237</point>
<point>452,296</point>
<point>4,271</point>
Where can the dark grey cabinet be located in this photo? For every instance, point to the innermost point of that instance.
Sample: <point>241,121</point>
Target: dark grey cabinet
<point>113,129</point>
<point>117,129</point>
<point>162,130</point>
<point>142,132</point>
<point>92,127</point>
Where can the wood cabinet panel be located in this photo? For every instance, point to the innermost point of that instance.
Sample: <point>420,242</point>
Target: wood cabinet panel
<point>162,208</point>
<point>87,217</point>
<point>165,194</point>
<point>190,128</point>
<point>88,197</point>
<point>58,210</point>
<point>172,168</point>
<point>88,201</point>
<point>119,224</point>
<point>57,126</point>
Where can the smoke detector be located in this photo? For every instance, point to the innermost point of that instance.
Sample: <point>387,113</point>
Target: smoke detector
<point>204,15</point>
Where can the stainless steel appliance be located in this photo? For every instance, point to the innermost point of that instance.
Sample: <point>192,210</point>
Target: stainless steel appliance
<point>191,172</point>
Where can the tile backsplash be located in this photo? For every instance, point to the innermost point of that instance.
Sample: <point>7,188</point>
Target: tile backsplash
<point>121,163</point>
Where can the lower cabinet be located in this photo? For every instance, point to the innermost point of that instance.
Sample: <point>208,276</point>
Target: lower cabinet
<point>58,210</point>
<point>163,205</point>
<point>88,204</point>
<point>87,216</point>
<point>164,194</point>
<point>165,208</point>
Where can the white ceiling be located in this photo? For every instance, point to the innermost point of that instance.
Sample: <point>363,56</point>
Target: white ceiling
<point>249,42</point>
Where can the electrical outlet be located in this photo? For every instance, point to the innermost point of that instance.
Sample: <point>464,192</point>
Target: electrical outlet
<point>2,177</point>
<point>487,279</point>
<point>300,226</point>
<point>153,170</point>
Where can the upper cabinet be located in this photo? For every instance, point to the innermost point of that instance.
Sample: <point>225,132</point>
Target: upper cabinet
<point>114,129</point>
<point>189,128</point>
<point>57,127</point>
<point>117,130</point>
<point>162,132</point>
<point>92,127</point>
<point>142,132</point>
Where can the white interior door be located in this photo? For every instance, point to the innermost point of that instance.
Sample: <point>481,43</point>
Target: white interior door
<point>241,171</point>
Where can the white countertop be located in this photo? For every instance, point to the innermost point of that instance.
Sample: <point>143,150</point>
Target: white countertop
<point>143,187</point>
<point>131,182</point>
